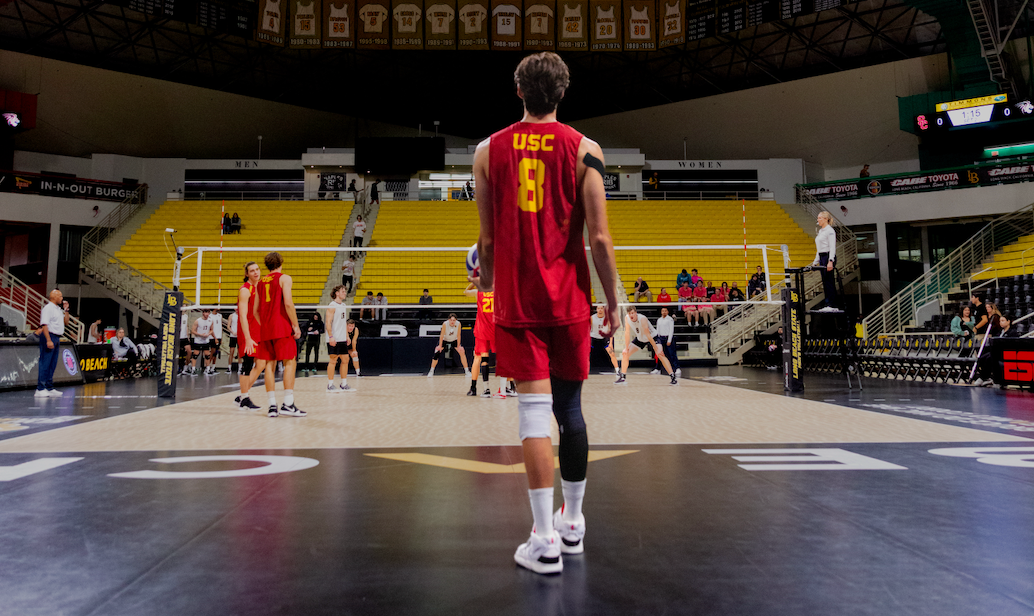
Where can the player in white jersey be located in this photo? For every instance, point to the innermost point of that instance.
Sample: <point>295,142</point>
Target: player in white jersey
<point>597,339</point>
<point>449,342</point>
<point>234,353</point>
<point>216,352</point>
<point>340,343</point>
<point>185,342</point>
<point>203,336</point>
<point>639,333</point>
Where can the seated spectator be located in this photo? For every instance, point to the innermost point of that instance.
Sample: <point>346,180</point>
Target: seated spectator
<point>734,294</point>
<point>761,278</point>
<point>663,297</point>
<point>683,277</point>
<point>719,298</point>
<point>227,225</point>
<point>381,313</point>
<point>963,324</point>
<point>425,300</point>
<point>705,311</point>
<point>700,291</point>
<point>691,310</point>
<point>985,363</point>
<point>771,349</point>
<point>122,347</point>
<point>754,286</point>
<point>993,318</point>
<point>685,294</point>
<point>642,289</point>
<point>725,289</point>
<point>710,288</point>
<point>235,223</point>
<point>364,312</point>
<point>695,280</point>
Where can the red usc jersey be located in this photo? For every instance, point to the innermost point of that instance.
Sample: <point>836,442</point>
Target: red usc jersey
<point>272,312</point>
<point>541,274</point>
<point>253,327</point>
<point>484,325</point>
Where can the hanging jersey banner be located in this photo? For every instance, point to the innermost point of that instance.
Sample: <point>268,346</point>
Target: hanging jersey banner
<point>506,19</point>
<point>407,24</point>
<point>605,16</point>
<point>305,24</point>
<point>440,25</point>
<point>338,24</point>
<point>169,349</point>
<point>672,20</point>
<point>640,25</point>
<point>472,26</point>
<point>540,25</point>
<point>272,22</point>
<point>374,29</point>
<point>573,25</point>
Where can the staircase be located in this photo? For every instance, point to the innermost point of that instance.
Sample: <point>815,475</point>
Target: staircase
<point>23,300</point>
<point>989,36</point>
<point>369,214</point>
<point>732,334</point>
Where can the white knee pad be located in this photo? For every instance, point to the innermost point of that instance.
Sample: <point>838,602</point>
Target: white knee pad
<point>535,411</point>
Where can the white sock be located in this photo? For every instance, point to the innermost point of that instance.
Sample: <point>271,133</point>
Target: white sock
<point>542,510</point>
<point>574,492</point>
<point>502,383</point>
<point>330,381</point>
<point>288,397</point>
<point>344,382</point>
<point>272,397</point>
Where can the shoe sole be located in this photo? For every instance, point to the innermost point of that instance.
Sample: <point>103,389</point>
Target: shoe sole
<point>290,414</point>
<point>578,547</point>
<point>540,567</point>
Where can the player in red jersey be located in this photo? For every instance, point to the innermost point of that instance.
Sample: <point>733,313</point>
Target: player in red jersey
<point>250,369</point>
<point>538,183</point>
<point>484,345</point>
<point>278,327</point>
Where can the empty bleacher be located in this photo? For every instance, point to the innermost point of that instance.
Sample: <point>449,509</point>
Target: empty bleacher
<point>1015,259</point>
<point>265,225</point>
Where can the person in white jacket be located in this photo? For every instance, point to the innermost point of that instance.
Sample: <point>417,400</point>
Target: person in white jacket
<point>825,259</point>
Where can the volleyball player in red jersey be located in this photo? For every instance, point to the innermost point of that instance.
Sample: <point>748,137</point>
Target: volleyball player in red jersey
<point>538,183</point>
<point>278,327</point>
<point>250,369</point>
<point>484,344</point>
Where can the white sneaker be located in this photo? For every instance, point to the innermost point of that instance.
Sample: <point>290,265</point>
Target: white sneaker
<point>678,372</point>
<point>655,371</point>
<point>53,393</point>
<point>430,374</point>
<point>540,554</point>
<point>978,382</point>
<point>332,389</point>
<point>41,393</point>
<point>346,389</point>
<point>571,533</point>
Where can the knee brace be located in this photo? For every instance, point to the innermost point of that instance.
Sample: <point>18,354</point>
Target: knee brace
<point>437,355</point>
<point>574,441</point>
<point>484,368</point>
<point>534,411</point>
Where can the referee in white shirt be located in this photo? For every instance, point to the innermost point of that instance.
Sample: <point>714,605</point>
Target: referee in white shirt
<point>52,322</point>
<point>825,258</point>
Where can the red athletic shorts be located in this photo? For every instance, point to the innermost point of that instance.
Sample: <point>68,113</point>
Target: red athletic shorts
<point>484,345</point>
<point>536,353</point>
<point>277,350</point>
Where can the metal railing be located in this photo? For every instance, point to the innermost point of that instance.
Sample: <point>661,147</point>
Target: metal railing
<point>738,325</point>
<point>123,278</point>
<point>118,217</point>
<point>898,312</point>
<point>29,302</point>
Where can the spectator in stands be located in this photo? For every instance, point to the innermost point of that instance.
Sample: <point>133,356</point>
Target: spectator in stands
<point>642,289</point>
<point>762,278</point>
<point>235,223</point>
<point>365,312</point>
<point>52,321</point>
<point>691,310</point>
<point>979,313</point>
<point>685,296</point>
<point>654,182</point>
<point>358,231</point>
<point>352,189</point>
<point>985,363</point>
<point>734,294</point>
<point>864,173</point>
<point>380,314</point>
<point>663,297</point>
<point>227,224</point>
<point>122,347</point>
<point>705,311</point>
<point>962,324</point>
<point>683,277</point>
<point>700,291</point>
<point>468,192</point>
<point>348,273</point>
<point>94,337</point>
<point>774,351</point>
<point>695,280</point>
<point>313,335</point>
<point>754,287</point>
<point>375,196</point>
<point>994,316</point>
<point>711,289</point>
<point>719,298</point>
<point>425,300</point>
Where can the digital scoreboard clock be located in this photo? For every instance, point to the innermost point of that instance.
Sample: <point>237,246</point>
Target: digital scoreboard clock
<point>973,112</point>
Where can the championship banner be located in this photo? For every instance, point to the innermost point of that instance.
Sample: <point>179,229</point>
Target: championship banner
<point>373,24</point>
<point>793,340</point>
<point>507,32</point>
<point>673,23</point>
<point>408,24</point>
<point>440,32</point>
<point>573,28</point>
<point>606,25</point>
<point>906,183</point>
<point>540,25</point>
<point>640,25</point>
<point>169,340</point>
<point>272,22</point>
<point>473,33</point>
<point>338,24</point>
<point>305,24</point>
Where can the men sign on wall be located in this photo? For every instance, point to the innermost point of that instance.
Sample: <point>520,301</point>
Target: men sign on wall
<point>305,24</point>
<point>373,24</point>
<point>472,27</point>
<point>540,25</point>
<point>507,32</point>
<point>440,29</point>
<point>338,24</point>
<point>407,18</point>
<point>573,25</point>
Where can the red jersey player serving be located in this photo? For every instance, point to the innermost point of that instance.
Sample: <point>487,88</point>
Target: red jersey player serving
<point>539,182</point>
<point>278,325</point>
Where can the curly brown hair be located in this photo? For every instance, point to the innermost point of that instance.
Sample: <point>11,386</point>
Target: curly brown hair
<point>543,78</point>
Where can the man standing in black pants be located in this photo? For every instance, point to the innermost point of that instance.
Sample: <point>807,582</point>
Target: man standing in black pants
<point>313,335</point>
<point>825,257</point>
<point>52,323</point>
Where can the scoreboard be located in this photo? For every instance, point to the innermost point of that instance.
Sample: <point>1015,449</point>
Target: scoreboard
<point>985,111</point>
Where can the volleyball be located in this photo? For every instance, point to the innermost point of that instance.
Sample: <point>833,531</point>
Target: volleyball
<point>472,260</point>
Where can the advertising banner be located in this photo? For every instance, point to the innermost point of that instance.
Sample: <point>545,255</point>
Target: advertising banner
<point>640,25</point>
<point>440,30</point>
<point>473,33</point>
<point>407,24</point>
<point>19,365</point>
<point>605,16</point>
<point>965,177</point>
<point>373,24</point>
<point>272,22</point>
<point>168,348</point>
<point>540,25</point>
<point>305,24</point>
<point>338,24</point>
<point>793,340</point>
<point>94,360</point>
<point>71,188</point>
